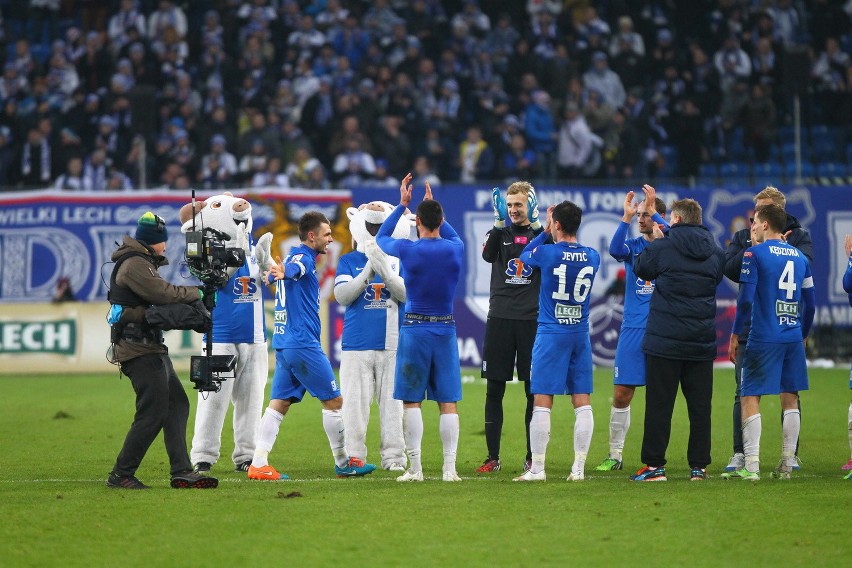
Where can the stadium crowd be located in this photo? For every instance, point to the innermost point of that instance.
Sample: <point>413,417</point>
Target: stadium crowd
<point>335,93</point>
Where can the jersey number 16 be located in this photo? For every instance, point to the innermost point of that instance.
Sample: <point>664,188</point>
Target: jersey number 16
<point>582,284</point>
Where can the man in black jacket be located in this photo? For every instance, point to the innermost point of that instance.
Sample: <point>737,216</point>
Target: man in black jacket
<point>680,338</point>
<point>512,311</point>
<point>799,238</point>
<point>161,403</point>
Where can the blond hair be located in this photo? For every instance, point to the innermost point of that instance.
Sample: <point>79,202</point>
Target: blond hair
<point>773,194</point>
<point>524,187</point>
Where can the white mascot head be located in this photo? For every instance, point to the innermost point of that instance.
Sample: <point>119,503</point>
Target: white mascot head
<point>231,216</point>
<point>364,222</point>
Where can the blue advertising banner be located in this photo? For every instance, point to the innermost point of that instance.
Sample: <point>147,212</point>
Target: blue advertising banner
<point>48,235</point>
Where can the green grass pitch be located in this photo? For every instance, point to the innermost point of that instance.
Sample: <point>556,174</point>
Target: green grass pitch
<point>60,435</point>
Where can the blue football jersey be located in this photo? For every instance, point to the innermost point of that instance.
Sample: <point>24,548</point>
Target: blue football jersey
<point>567,273</point>
<point>779,272</point>
<point>637,292</point>
<point>302,299</point>
<point>280,316</point>
<point>371,322</point>
<point>432,267</point>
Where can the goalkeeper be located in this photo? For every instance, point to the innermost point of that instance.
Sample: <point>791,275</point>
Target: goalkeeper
<point>512,311</point>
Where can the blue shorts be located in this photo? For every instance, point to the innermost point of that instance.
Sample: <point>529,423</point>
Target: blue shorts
<point>561,364</point>
<point>297,370</point>
<point>773,368</point>
<point>427,363</point>
<point>629,366</point>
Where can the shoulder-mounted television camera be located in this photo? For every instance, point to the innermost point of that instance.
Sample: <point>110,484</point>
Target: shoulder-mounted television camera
<point>208,257</point>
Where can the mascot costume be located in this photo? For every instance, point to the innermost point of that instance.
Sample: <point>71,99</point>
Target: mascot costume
<point>238,329</point>
<point>369,285</point>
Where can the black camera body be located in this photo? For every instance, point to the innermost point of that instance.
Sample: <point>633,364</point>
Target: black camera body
<point>205,371</point>
<point>208,259</point>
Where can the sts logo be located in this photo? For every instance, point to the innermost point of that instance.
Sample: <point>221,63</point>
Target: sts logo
<point>244,289</point>
<point>518,272</point>
<point>377,295</point>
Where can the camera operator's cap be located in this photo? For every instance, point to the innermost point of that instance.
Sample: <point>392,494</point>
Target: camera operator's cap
<point>151,229</point>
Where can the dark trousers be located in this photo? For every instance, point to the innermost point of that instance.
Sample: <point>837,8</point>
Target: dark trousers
<point>696,381</point>
<point>161,404</point>
<point>494,392</point>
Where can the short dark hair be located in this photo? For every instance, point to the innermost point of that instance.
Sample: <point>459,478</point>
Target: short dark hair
<point>430,214</point>
<point>569,217</point>
<point>660,206</point>
<point>774,215</point>
<point>310,221</point>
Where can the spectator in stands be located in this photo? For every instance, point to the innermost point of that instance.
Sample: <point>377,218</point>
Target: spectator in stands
<point>317,179</point>
<point>830,72</point>
<point>354,165</point>
<point>95,170</point>
<point>475,159</point>
<point>317,120</point>
<point>578,152</point>
<point>128,16</point>
<point>272,177</point>
<point>7,156</point>
<point>254,161</point>
<point>299,169</point>
<point>688,136</point>
<point>167,15</point>
<point>626,38</point>
<point>423,172</point>
<point>732,63</point>
<point>218,167</point>
<point>603,79</point>
<point>33,166</point>
<point>350,127</point>
<point>72,179</point>
<point>519,162</point>
<point>759,123</point>
<point>540,134</point>
<point>622,148</point>
<point>393,142</point>
<point>501,40</point>
<point>382,177</point>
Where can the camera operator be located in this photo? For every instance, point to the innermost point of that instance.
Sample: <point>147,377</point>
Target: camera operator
<point>161,403</point>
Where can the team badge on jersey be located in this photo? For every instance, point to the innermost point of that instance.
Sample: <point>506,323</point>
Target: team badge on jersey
<point>644,287</point>
<point>377,296</point>
<point>518,272</point>
<point>244,289</point>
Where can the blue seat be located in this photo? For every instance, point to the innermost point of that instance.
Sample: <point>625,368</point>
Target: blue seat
<point>734,170</point>
<point>769,173</point>
<point>786,135</point>
<point>832,169</point>
<point>790,169</point>
<point>708,170</point>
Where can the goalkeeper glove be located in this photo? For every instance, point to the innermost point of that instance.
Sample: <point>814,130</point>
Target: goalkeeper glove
<point>532,210</point>
<point>501,212</point>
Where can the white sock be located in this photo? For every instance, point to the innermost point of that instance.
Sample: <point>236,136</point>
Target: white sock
<point>619,424</point>
<point>850,428</point>
<point>412,421</point>
<point>791,424</point>
<point>539,437</point>
<point>584,424</point>
<point>332,421</point>
<point>752,427</point>
<point>449,427</point>
<point>266,435</point>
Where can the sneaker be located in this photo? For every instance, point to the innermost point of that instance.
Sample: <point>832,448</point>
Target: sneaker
<point>737,462</point>
<point>354,468</point>
<point>579,476</point>
<point>798,465</point>
<point>451,476</point>
<point>410,476</point>
<point>697,474</point>
<point>610,464</point>
<point>396,467</point>
<point>266,472</point>
<point>125,482</point>
<point>848,475</point>
<point>530,476</point>
<point>203,467</point>
<point>489,465</point>
<point>742,474</point>
<point>847,466</point>
<point>193,480</point>
<point>242,466</point>
<point>648,473</point>
<point>528,465</point>
<point>781,471</point>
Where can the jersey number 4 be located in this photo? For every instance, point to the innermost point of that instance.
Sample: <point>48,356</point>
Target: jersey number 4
<point>787,281</point>
<point>582,284</point>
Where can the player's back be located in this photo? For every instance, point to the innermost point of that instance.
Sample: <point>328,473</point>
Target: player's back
<point>432,268</point>
<point>567,274</point>
<point>779,271</point>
